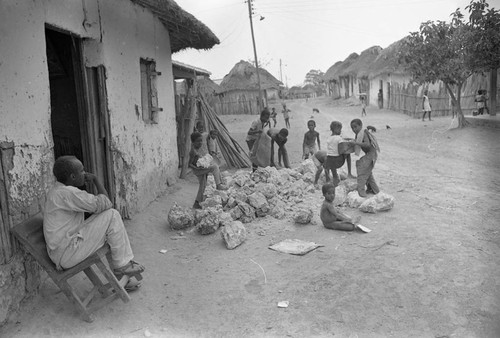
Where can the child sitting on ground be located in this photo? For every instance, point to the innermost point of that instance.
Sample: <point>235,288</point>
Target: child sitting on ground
<point>201,172</point>
<point>334,159</point>
<point>310,137</point>
<point>333,218</point>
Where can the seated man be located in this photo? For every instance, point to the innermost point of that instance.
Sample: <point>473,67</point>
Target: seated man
<point>70,237</point>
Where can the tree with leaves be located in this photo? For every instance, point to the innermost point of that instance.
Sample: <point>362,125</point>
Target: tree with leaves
<point>315,78</point>
<point>437,52</point>
<point>484,43</point>
<point>451,52</point>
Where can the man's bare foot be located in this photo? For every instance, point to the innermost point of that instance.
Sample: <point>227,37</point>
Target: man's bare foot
<point>351,176</point>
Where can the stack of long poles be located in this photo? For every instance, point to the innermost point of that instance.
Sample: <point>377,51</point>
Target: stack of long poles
<point>234,155</point>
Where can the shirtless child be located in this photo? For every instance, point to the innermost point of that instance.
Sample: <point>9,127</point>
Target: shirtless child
<point>333,218</point>
<point>310,138</point>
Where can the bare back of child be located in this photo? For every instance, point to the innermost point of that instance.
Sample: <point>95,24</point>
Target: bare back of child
<point>331,217</point>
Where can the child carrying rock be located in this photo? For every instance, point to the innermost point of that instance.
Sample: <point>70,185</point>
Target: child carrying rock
<point>201,171</point>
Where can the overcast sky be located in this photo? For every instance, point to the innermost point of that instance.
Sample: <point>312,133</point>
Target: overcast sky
<point>306,34</point>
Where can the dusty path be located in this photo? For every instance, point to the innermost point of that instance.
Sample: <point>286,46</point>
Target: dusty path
<point>429,268</point>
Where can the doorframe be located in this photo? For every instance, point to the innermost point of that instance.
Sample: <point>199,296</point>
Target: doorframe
<point>88,136</point>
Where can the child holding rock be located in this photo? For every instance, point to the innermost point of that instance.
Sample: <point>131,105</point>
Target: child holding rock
<point>201,171</point>
<point>334,159</point>
<point>364,166</point>
<point>333,218</point>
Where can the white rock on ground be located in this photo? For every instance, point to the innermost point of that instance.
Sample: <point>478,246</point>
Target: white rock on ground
<point>180,217</point>
<point>379,202</point>
<point>207,220</point>
<point>303,215</point>
<point>354,200</point>
<point>233,234</point>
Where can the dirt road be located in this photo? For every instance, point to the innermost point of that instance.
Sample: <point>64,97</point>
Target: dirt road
<point>429,268</point>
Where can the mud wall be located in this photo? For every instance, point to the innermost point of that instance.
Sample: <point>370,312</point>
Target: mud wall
<point>117,34</point>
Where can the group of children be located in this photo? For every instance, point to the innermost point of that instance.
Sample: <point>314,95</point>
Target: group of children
<point>337,152</point>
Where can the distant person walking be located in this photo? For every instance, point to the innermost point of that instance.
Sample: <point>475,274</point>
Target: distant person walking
<point>273,116</point>
<point>286,116</point>
<point>363,106</point>
<point>380,99</point>
<point>426,106</point>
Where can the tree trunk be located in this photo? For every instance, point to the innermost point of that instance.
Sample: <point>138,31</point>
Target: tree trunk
<point>493,92</point>
<point>462,122</point>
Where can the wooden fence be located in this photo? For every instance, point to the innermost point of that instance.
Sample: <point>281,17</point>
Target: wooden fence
<point>405,98</point>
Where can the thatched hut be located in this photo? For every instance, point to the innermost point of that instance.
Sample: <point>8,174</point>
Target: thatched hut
<point>357,72</point>
<point>385,69</point>
<point>332,84</point>
<point>240,89</point>
<point>345,84</point>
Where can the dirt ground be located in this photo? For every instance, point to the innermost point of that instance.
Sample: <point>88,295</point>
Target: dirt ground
<point>429,268</point>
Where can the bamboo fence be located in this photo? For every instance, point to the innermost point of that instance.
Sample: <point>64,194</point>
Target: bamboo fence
<point>406,99</point>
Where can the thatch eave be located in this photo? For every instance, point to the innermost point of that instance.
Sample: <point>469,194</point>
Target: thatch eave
<point>243,76</point>
<point>185,30</point>
<point>387,61</point>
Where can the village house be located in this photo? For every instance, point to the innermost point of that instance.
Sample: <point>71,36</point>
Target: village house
<point>92,79</point>
<point>241,91</point>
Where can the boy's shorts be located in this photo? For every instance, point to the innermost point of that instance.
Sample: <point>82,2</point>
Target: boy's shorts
<point>310,149</point>
<point>335,162</point>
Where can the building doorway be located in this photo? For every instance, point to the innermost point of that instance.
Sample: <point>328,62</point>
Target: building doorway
<point>79,115</point>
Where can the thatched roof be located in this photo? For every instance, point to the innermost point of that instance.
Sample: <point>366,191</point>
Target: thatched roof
<point>185,30</point>
<point>387,61</point>
<point>361,66</point>
<point>207,86</point>
<point>339,71</point>
<point>183,70</point>
<point>330,73</point>
<point>243,76</point>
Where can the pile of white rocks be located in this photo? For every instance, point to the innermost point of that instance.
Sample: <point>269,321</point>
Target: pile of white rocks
<point>267,192</point>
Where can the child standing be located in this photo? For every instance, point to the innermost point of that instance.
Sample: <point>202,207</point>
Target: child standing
<point>274,114</point>
<point>334,160</point>
<point>195,154</point>
<point>286,116</point>
<point>256,129</point>
<point>426,105</point>
<point>363,106</point>
<point>364,166</point>
<point>333,218</point>
<point>310,137</point>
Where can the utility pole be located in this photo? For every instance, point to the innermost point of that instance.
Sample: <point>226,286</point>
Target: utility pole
<point>281,73</point>
<point>255,53</point>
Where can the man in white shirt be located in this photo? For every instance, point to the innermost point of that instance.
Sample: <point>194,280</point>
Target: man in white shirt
<point>70,237</point>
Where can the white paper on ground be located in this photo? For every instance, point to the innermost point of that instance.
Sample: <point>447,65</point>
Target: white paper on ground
<point>363,228</point>
<point>294,246</point>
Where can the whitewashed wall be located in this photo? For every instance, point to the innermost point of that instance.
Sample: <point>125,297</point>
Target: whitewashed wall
<point>118,33</point>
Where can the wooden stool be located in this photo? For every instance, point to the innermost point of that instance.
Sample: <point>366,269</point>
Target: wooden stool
<point>30,234</point>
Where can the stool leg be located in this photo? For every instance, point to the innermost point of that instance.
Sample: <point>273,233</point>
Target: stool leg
<point>113,281</point>
<point>73,297</point>
<point>94,278</point>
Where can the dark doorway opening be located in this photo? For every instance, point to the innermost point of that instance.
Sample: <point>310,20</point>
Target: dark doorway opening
<point>65,118</point>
